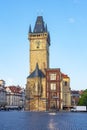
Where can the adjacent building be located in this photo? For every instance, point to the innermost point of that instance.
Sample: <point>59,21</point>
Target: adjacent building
<point>65,91</point>
<point>2,94</point>
<point>15,97</point>
<point>11,96</point>
<point>46,87</point>
<point>75,96</point>
<point>53,89</point>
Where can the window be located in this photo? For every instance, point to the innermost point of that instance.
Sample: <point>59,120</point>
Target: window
<point>53,76</point>
<point>53,86</point>
<point>65,83</point>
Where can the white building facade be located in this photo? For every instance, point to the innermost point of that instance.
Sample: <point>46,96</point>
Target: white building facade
<point>15,97</point>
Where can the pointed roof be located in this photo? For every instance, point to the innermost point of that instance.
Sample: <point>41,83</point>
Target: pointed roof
<point>30,29</point>
<point>36,73</point>
<point>39,28</point>
<point>39,25</point>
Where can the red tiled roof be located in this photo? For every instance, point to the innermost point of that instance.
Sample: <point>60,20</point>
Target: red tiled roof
<point>14,89</point>
<point>64,75</point>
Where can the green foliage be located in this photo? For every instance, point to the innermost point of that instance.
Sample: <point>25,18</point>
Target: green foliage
<point>83,99</point>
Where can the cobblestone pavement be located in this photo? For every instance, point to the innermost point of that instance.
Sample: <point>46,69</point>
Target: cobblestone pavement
<point>14,120</point>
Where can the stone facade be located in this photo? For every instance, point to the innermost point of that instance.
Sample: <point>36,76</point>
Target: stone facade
<point>39,51</point>
<point>65,91</point>
<point>39,61</point>
<point>35,94</point>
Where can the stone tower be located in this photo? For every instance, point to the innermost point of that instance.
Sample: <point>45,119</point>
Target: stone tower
<point>39,45</point>
<point>39,61</point>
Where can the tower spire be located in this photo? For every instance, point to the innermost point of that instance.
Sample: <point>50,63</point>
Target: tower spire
<point>39,25</point>
<point>30,29</point>
<point>46,28</point>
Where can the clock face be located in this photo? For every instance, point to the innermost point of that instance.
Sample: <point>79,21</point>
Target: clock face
<point>37,44</point>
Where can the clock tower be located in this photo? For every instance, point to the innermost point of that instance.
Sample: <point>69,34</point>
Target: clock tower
<point>39,40</point>
<point>39,45</point>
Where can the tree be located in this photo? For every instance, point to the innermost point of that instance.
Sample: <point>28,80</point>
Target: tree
<point>83,99</point>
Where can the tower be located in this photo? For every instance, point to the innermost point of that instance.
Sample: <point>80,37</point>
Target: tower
<point>39,45</point>
<point>39,62</point>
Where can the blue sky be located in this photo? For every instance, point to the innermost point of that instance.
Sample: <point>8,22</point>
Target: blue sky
<point>67,24</point>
